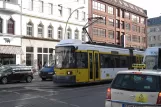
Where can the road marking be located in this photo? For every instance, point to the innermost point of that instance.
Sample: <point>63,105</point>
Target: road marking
<point>38,89</point>
<point>19,99</point>
<point>25,99</point>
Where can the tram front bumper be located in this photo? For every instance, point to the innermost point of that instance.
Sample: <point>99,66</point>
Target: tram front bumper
<point>68,79</point>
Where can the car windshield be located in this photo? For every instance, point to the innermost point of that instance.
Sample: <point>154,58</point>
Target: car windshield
<point>151,62</point>
<point>4,68</point>
<point>65,57</point>
<point>131,82</point>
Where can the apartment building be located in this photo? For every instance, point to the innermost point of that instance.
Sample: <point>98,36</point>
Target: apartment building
<point>123,23</point>
<point>154,31</point>
<point>36,26</point>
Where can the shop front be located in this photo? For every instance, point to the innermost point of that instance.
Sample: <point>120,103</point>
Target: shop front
<point>38,52</point>
<point>10,50</point>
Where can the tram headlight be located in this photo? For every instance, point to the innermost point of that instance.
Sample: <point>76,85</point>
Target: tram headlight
<point>69,72</point>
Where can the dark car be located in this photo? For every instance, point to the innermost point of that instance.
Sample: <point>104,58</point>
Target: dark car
<point>15,74</point>
<point>47,72</point>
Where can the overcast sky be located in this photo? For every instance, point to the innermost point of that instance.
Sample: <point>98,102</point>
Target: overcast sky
<point>153,7</point>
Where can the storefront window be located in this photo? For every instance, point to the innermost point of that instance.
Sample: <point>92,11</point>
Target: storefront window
<point>6,59</point>
<point>29,56</point>
<point>29,59</point>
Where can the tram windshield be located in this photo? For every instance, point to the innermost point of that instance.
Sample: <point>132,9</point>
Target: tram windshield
<point>65,57</point>
<point>151,62</point>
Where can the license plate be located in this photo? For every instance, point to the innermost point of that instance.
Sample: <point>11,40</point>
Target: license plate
<point>126,105</point>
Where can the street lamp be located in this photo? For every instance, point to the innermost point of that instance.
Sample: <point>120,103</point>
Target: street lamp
<point>70,17</point>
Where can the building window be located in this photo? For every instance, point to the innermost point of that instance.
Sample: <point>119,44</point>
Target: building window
<point>1,25</point>
<point>117,24</point>
<point>121,13</point>
<point>40,30</point>
<point>60,10</point>
<point>111,34</point>
<point>110,10</point>
<point>50,31</point>
<point>117,12</point>
<point>60,33</point>
<point>30,4</point>
<point>69,33</point>
<point>122,24</point>
<point>76,14</point>
<point>83,16</point>
<point>10,27</point>
<point>111,22</point>
<point>138,29</point>
<point>134,38</point>
<point>128,37</point>
<point>152,29</point>
<point>134,28</point>
<point>30,29</point>
<point>29,56</point>
<point>99,6</point>
<point>142,30</point>
<point>127,15</point>
<point>50,8</point>
<point>142,20</point>
<point>41,8</point>
<point>127,26</point>
<point>135,18</point>
<point>100,21</point>
<point>83,36</point>
<point>76,34</point>
<point>118,35</point>
<point>99,32</point>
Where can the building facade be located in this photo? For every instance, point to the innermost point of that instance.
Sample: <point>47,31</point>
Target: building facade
<point>123,23</point>
<point>10,39</point>
<point>154,32</point>
<point>41,24</point>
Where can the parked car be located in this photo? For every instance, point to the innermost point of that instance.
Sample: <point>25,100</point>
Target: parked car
<point>15,73</point>
<point>47,72</point>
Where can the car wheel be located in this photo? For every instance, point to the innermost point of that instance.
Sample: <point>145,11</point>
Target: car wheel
<point>29,79</point>
<point>43,79</point>
<point>4,80</point>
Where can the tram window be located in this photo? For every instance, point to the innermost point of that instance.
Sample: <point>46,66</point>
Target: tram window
<point>134,59</point>
<point>123,62</point>
<point>105,61</point>
<point>117,61</point>
<point>82,60</point>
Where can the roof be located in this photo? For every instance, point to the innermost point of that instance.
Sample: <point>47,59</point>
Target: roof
<point>127,6</point>
<point>144,71</point>
<point>154,21</point>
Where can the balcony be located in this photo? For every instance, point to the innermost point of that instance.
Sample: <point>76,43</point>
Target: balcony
<point>9,7</point>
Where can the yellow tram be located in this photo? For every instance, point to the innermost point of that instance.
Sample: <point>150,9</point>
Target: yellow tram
<point>78,62</point>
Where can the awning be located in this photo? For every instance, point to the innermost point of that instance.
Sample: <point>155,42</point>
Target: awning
<point>11,50</point>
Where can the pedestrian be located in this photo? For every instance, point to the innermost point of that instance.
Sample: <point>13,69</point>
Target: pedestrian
<point>44,63</point>
<point>40,65</point>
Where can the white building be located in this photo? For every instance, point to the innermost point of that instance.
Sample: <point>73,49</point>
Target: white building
<point>154,32</point>
<point>39,25</point>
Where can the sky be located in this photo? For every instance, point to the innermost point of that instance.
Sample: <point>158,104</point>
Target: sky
<point>153,7</point>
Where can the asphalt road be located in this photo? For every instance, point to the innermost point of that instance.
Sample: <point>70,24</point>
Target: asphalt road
<point>46,94</point>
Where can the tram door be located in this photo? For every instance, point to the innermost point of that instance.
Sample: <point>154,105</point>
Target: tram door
<point>93,65</point>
